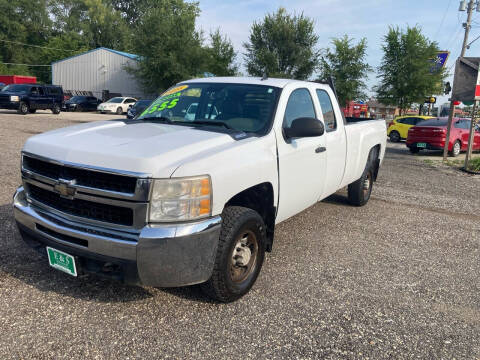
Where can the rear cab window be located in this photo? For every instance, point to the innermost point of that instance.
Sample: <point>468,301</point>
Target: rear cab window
<point>327,110</point>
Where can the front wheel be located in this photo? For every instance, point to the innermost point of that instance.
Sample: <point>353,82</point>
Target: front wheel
<point>23,108</point>
<point>119,111</point>
<point>240,254</point>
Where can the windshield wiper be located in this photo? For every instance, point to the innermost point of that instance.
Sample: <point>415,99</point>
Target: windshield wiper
<point>214,123</point>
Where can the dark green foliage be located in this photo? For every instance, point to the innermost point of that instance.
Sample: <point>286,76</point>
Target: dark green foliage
<point>221,55</point>
<point>168,44</point>
<point>282,45</point>
<point>405,72</point>
<point>346,64</point>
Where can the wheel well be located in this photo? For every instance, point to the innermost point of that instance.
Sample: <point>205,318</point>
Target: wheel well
<point>260,199</point>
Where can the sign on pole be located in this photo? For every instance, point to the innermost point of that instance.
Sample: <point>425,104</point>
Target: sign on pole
<point>466,86</point>
<point>439,61</point>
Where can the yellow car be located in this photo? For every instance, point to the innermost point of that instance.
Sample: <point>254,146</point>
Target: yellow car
<point>398,128</point>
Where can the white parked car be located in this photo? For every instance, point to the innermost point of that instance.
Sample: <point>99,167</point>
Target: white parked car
<point>117,105</point>
<point>192,194</point>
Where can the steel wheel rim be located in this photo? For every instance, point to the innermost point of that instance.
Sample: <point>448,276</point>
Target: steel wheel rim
<point>24,108</point>
<point>367,184</point>
<point>394,136</point>
<point>244,256</point>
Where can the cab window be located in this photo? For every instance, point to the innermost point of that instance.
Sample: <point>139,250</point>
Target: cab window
<point>327,110</point>
<point>299,105</point>
<point>409,121</point>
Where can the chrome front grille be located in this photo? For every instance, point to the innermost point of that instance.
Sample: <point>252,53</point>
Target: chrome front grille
<point>83,177</point>
<point>87,194</point>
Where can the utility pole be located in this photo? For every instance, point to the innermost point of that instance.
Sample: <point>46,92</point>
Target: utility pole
<point>467,25</point>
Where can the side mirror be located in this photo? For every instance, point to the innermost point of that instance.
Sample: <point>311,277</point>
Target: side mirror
<point>304,127</point>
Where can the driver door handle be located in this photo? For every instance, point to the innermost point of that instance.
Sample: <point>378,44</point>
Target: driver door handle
<point>320,149</point>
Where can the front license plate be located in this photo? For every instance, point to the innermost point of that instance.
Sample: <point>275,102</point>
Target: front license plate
<point>62,261</point>
<point>422,145</point>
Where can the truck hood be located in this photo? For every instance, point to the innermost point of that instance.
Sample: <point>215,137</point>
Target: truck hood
<point>149,148</point>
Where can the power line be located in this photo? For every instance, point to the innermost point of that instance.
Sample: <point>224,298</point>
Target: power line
<point>443,19</point>
<point>36,46</point>
<point>4,63</point>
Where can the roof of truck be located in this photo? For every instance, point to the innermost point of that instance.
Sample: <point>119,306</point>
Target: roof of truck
<point>246,80</point>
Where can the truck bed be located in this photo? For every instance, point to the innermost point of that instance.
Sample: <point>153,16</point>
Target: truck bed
<point>361,137</point>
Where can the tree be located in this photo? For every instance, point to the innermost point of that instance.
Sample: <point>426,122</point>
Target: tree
<point>282,45</point>
<point>220,55</point>
<point>347,65</point>
<point>405,73</point>
<point>168,44</point>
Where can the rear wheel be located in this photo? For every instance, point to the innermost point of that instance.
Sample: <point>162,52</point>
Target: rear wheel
<point>395,136</point>
<point>456,149</point>
<point>56,109</point>
<point>240,254</point>
<point>119,111</point>
<point>23,108</point>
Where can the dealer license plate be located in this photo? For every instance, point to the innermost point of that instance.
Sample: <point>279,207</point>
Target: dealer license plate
<point>422,145</point>
<point>62,261</point>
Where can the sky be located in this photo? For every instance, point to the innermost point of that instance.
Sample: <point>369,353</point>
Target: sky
<point>440,21</point>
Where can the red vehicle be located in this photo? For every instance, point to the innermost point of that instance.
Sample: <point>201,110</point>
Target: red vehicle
<point>431,134</point>
<point>17,79</point>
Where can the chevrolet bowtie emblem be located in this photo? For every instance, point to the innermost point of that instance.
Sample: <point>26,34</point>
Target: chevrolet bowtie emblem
<point>65,188</point>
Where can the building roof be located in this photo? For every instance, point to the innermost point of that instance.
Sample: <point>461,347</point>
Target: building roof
<point>122,53</point>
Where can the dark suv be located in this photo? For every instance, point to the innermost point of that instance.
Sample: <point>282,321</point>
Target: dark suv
<point>27,98</point>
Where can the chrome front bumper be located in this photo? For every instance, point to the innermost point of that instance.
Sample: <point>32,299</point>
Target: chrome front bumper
<point>165,255</point>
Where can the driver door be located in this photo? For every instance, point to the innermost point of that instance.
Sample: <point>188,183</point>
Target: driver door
<point>301,161</point>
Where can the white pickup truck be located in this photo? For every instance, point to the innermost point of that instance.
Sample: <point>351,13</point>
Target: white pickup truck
<point>191,190</point>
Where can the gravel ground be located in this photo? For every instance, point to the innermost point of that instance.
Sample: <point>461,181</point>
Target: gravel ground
<point>398,278</point>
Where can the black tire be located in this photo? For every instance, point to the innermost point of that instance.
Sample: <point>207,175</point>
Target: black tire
<point>56,109</point>
<point>395,136</point>
<point>359,191</point>
<point>32,111</point>
<point>79,108</point>
<point>456,148</point>
<point>119,111</point>
<point>230,280</point>
<point>23,108</point>
<point>414,149</point>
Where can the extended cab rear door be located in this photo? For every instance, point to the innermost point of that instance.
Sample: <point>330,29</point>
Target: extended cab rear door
<point>301,161</point>
<point>336,142</point>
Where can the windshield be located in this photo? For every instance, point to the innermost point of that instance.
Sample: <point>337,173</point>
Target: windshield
<point>241,107</point>
<point>116,100</point>
<point>77,98</point>
<point>16,88</point>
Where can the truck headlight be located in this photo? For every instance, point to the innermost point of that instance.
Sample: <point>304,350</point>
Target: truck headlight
<point>181,199</point>
<point>14,98</point>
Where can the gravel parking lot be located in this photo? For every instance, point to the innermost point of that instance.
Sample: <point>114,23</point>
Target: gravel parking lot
<point>398,278</point>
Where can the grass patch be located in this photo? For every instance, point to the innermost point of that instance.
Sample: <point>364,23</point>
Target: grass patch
<point>454,162</point>
<point>474,164</point>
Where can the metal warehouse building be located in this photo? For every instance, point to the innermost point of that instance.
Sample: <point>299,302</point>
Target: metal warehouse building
<point>95,71</point>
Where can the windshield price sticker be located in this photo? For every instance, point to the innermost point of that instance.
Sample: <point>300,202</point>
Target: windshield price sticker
<point>174,90</point>
<point>162,103</point>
